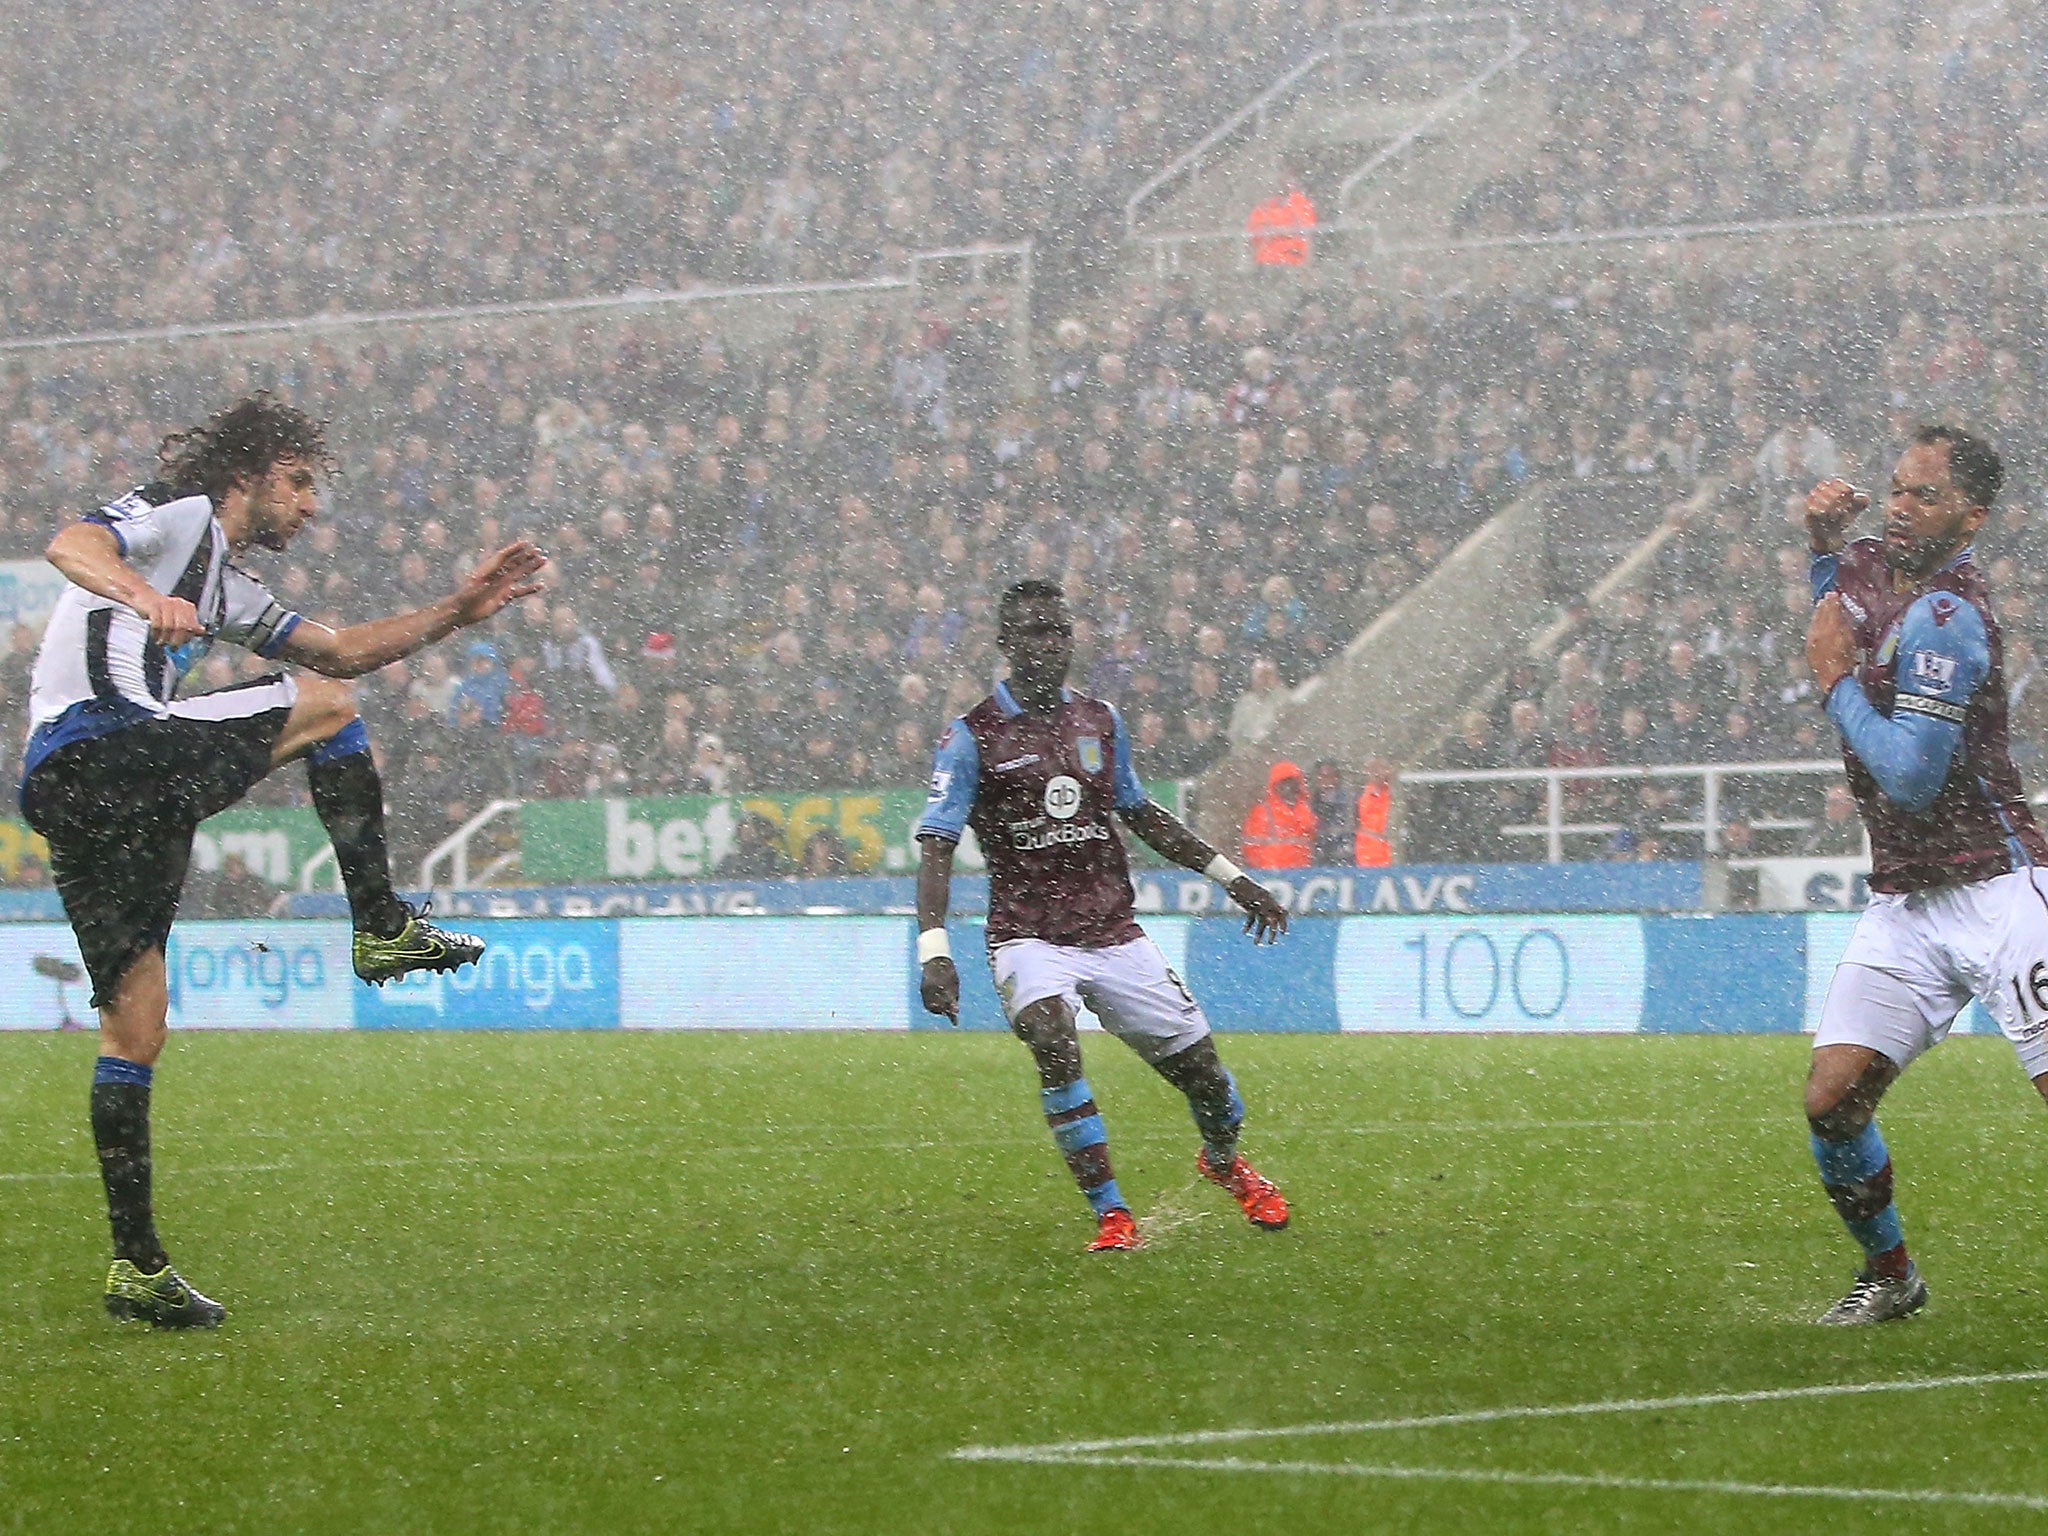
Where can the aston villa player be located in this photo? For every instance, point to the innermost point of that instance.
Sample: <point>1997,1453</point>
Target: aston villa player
<point>1906,652</point>
<point>1037,771</point>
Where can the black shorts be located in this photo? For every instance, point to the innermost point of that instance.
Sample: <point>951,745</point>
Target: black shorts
<point>119,812</point>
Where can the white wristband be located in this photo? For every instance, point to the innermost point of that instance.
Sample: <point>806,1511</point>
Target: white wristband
<point>1222,871</point>
<point>933,945</point>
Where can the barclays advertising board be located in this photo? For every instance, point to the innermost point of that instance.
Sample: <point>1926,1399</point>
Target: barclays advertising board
<point>1414,889</point>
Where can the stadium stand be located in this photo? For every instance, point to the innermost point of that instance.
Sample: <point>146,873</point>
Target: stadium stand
<point>746,144</point>
<point>1674,115</point>
<point>776,555</point>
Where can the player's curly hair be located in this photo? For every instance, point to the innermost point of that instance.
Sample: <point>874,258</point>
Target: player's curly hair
<point>242,443</point>
<point>1973,464</point>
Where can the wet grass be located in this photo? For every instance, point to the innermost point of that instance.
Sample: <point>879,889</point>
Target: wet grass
<point>622,1283</point>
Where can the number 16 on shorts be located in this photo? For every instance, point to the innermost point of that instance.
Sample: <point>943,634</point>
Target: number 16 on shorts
<point>1490,973</point>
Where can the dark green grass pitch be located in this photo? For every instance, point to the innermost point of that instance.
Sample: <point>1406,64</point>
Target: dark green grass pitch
<point>620,1283</point>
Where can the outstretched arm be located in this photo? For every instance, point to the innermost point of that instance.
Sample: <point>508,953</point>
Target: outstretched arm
<point>1175,841</point>
<point>501,578</point>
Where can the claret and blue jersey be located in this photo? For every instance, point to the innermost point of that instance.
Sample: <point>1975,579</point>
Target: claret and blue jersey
<point>1041,792</point>
<point>1923,723</point>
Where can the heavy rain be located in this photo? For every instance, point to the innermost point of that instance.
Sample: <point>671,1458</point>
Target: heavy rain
<point>1537,515</point>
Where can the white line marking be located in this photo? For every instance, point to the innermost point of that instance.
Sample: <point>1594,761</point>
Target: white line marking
<point>1558,1480</point>
<point>1067,1450</point>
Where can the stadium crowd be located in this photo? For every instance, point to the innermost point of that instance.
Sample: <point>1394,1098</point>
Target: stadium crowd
<point>1703,661</point>
<point>774,569</point>
<point>1686,114</point>
<point>775,559</point>
<point>526,151</point>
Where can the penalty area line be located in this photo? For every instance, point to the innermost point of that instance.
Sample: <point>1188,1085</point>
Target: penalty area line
<point>1596,1480</point>
<point>1069,1449</point>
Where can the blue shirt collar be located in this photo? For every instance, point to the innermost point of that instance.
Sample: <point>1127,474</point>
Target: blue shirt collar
<point>1009,705</point>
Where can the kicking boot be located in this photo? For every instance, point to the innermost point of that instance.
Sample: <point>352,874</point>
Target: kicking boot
<point>1263,1205</point>
<point>1117,1234</point>
<point>1874,1299</point>
<point>418,946</point>
<point>162,1298</point>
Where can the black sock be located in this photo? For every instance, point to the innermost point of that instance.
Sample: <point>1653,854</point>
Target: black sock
<point>120,1129</point>
<point>349,797</point>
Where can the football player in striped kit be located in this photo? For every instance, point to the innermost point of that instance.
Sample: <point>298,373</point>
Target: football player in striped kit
<point>122,765</point>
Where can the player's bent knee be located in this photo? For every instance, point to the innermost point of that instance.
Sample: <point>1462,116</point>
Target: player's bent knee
<point>1045,1025</point>
<point>1837,1114</point>
<point>327,704</point>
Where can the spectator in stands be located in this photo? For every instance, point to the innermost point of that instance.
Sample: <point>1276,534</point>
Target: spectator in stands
<point>1258,708</point>
<point>1334,810</point>
<point>756,852</point>
<point>1838,832</point>
<point>1280,830</point>
<point>1282,227</point>
<point>233,890</point>
<point>1372,845</point>
<point>484,684</point>
<point>825,855</point>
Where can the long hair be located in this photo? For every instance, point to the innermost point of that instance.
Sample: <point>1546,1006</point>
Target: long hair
<point>241,443</point>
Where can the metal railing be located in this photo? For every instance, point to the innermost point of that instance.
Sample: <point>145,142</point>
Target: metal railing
<point>981,261</point>
<point>1554,829</point>
<point>1340,237</point>
<point>1349,41</point>
<point>1517,45</point>
<point>454,849</point>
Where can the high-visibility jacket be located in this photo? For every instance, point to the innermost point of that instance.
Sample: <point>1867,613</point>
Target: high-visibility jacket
<point>1371,848</point>
<point>1280,228</point>
<point>1278,835</point>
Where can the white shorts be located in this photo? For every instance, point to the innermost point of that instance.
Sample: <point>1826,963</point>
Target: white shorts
<point>1915,961</point>
<point>1130,987</point>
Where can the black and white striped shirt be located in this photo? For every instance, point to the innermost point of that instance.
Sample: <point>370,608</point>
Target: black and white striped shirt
<point>98,669</point>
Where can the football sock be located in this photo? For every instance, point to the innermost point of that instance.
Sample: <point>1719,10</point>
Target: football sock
<point>1857,1175</point>
<point>120,1130</point>
<point>349,796</point>
<point>1219,1116</point>
<point>1212,1098</point>
<point>1078,1131</point>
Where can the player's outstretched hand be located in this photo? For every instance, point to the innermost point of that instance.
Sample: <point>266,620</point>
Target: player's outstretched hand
<point>1265,919</point>
<point>939,987</point>
<point>1831,507</point>
<point>1830,644</point>
<point>502,577</point>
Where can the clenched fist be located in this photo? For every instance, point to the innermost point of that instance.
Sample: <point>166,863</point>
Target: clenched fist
<point>1831,507</point>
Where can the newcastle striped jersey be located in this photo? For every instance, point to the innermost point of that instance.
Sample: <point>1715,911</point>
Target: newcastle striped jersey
<point>98,670</point>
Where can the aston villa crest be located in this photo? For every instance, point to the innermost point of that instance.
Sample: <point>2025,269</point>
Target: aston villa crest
<point>1090,750</point>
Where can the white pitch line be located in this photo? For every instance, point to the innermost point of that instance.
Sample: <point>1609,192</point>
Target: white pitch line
<point>1067,1450</point>
<point>1558,1480</point>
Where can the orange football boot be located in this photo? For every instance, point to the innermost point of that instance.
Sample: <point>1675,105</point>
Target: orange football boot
<point>1263,1205</point>
<point>1117,1234</point>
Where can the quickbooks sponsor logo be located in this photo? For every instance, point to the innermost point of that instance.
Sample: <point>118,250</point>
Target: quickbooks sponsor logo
<point>533,975</point>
